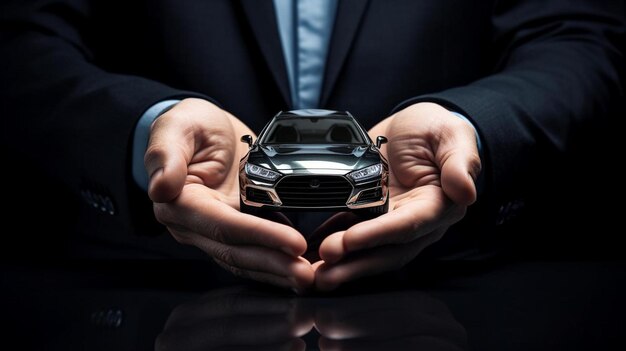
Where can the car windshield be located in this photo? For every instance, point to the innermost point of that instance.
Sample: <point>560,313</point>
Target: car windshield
<point>313,130</point>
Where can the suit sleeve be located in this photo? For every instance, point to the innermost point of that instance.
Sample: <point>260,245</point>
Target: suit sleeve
<point>556,73</point>
<point>60,110</point>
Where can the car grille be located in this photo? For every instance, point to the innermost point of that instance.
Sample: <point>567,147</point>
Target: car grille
<point>314,191</point>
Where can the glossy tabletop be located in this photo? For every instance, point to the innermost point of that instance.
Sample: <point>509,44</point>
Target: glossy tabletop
<point>189,305</point>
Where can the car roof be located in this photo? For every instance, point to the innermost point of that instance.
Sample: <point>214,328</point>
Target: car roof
<point>312,112</point>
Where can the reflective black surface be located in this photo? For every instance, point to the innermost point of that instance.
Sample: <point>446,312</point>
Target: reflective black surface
<point>430,306</point>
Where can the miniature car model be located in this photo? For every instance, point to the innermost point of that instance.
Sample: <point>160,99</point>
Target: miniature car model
<point>314,160</point>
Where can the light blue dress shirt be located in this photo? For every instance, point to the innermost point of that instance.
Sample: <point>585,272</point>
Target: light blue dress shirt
<point>305,28</point>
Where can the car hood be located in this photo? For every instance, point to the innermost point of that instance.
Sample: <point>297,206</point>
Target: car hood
<point>289,158</point>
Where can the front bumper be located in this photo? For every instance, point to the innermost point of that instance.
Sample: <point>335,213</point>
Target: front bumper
<point>263,194</point>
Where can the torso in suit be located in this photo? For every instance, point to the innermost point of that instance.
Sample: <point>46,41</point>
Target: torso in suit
<point>77,74</point>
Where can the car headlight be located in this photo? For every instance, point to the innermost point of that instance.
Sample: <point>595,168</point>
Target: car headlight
<point>261,172</point>
<point>366,173</point>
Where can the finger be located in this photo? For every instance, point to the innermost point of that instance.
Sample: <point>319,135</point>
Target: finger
<point>317,264</point>
<point>332,249</point>
<point>166,159</point>
<point>268,278</point>
<point>457,155</point>
<point>370,262</point>
<point>457,180</point>
<point>194,140</point>
<point>243,260</point>
<point>338,222</point>
<point>405,223</point>
<point>197,210</point>
<point>296,274</point>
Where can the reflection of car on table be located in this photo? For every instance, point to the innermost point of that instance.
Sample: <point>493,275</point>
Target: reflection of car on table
<point>314,160</point>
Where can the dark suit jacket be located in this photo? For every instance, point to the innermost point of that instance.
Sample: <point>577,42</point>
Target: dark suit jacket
<point>77,74</point>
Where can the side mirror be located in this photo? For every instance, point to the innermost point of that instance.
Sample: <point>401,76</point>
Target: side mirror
<point>380,140</point>
<point>247,139</point>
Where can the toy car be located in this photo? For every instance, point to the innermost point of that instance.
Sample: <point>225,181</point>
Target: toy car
<point>314,160</point>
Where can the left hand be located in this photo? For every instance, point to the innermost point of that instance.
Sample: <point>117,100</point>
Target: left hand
<point>433,165</point>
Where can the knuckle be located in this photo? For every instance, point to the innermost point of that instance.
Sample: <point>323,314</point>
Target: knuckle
<point>169,118</point>
<point>475,164</point>
<point>154,153</point>
<point>474,161</point>
<point>225,255</point>
<point>216,233</point>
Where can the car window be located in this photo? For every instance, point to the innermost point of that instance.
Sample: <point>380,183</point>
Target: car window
<point>313,130</point>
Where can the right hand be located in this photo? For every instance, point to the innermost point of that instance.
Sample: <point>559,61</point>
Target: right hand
<point>192,159</point>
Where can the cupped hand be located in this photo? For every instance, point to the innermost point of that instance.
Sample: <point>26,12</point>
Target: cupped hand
<point>433,164</point>
<point>192,159</point>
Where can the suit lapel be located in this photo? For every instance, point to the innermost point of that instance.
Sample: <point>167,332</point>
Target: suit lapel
<point>262,19</point>
<point>347,21</point>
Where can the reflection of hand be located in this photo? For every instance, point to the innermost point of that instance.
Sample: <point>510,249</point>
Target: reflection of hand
<point>236,319</point>
<point>192,160</point>
<point>392,321</point>
<point>250,320</point>
<point>433,162</point>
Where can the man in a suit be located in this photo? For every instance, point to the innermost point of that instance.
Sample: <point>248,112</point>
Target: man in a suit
<point>456,86</point>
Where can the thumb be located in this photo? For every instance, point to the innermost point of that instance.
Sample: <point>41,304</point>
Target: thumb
<point>166,161</point>
<point>460,167</point>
